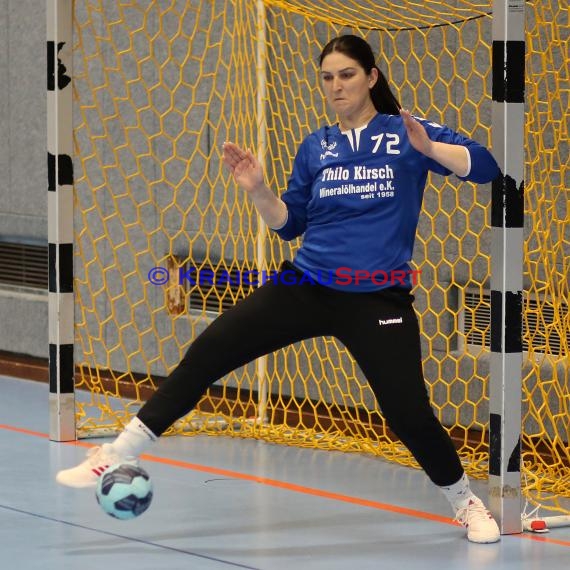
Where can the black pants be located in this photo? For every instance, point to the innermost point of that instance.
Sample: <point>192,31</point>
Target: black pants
<point>380,330</point>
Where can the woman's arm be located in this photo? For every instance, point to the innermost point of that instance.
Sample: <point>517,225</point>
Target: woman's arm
<point>463,156</point>
<point>271,208</point>
<point>454,157</point>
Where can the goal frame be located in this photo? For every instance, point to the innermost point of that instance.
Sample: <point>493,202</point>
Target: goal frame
<point>59,31</point>
<point>507,207</point>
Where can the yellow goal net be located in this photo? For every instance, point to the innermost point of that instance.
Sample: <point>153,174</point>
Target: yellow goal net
<point>159,86</point>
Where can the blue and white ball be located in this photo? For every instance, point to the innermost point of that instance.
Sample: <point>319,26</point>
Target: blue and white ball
<point>124,491</point>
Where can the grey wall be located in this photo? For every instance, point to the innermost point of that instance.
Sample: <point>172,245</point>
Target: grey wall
<point>23,179</point>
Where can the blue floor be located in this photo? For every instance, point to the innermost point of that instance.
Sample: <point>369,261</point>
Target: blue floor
<point>223,503</point>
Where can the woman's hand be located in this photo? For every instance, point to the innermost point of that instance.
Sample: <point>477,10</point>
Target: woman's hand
<point>248,174</point>
<point>416,133</point>
<point>453,156</point>
<point>246,170</point>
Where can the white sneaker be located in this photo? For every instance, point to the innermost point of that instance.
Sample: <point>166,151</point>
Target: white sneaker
<point>99,459</point>
<point>479,522</point>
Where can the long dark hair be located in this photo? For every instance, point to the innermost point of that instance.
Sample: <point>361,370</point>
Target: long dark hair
<point>359,49</point>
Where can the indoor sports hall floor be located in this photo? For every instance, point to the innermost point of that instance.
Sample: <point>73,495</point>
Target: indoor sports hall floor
<point>225,503</point>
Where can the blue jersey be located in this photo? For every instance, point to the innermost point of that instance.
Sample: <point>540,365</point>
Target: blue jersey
<point>357,195</point>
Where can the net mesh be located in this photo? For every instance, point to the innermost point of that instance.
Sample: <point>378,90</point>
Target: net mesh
<point>158,87</point>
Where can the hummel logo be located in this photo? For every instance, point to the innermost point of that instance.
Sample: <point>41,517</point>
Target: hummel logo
<point>390,321</point>
<point>328,148</point>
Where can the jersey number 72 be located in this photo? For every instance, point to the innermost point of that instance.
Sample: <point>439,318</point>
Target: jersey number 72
<point>392,140</point>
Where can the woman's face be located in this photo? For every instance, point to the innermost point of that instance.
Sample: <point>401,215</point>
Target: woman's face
<point>346,84</point>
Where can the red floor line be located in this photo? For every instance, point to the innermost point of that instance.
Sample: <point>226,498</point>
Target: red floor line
<point>24,431</point>
<point>291,487</point>
<point>300,489</point>
<point>542,538</point>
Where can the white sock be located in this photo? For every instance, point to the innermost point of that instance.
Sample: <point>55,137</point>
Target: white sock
<point>459,493</point>
<point>135,439</point>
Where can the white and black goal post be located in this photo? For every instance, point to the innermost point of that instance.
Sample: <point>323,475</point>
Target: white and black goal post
<point>60,219</point>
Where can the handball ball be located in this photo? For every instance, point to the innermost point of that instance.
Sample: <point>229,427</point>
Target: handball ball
<point>124,491</point>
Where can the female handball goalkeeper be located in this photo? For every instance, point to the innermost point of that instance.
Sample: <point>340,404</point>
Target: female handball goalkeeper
<point>354,194</point>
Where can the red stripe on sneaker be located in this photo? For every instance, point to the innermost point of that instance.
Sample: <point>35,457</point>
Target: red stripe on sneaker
<point>100,470</point>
